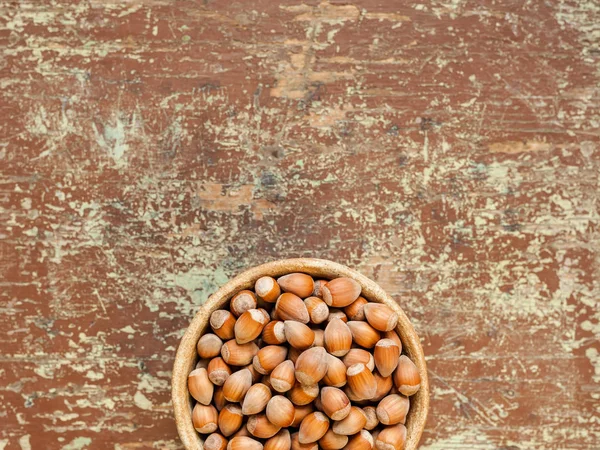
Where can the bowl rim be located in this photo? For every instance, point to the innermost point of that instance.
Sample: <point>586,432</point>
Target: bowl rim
<point>186,353</point>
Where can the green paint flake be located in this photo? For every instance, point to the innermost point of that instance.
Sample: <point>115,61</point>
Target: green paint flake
<point>200,283</point>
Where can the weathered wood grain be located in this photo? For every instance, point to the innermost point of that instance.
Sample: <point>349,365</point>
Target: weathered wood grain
<point>149,150</point>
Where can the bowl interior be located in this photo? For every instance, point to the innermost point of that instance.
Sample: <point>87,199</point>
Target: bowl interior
<point>186,357</point>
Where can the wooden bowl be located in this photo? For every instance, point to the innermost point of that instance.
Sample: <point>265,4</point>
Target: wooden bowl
<point>186,357</point>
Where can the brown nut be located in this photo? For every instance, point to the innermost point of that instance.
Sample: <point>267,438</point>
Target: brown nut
<point>352,423</point>
<point>219,398</point>
<point>391,438</point>
<point>249,325</point>
<point>236,354</point>
<point>406,376</point>
<point>244,443</point>
<point>209,346</point>
<point>200,386</point>
<point>260,427</point>
<point>333,441</point>
<point>274,333</point>
<point>355,310</point>
<point>380,316</point>
<point>386,356</point>
<point>337,314</point>
<point>205,418</point>
<point>236,386</point>
<point>242,302</point>
<point>361,381</point>
<point>372,420</point>
<point>393,409</point>
<point>363,334</point>
<point>283,376</point>
<point>318,290</point>
<point>291,307</point>
<point>340,292</point>
<point>302,394</point>
<point>256,399</point>
<point>299,284</point>
<point>335,403</point>
<point>361,441</point>
<point>336,372</point>
<point>317,309</point>
<point>267,289</point>
<point>358,355</point>
<point>280,411</point>
<point>311,365</point>
<point>268,358</point>
<point>222,323</point>
<point>230,419</point>
<point>313,427</point>
<point>218,371</point>
<point>298,335</point>
<point>393,336</point>
<point>296,445</point>
<point>281,441</point>
<point>215,442</point>
<point>337,338</point>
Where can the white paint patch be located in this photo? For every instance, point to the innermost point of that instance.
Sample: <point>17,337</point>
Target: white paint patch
<point>503,176</point>
<point>3,443</point>
<point>44,372</point>
<point>108,403</point>
<point>466,439</point>
<point>563,203</point>
<point>24,442</point>
<point>113,141</point>
<point>78,443</point>
<point>469,103</point>
<point>148,383</point>
<point>94,375</point>
<point>129,11</point>
<point>65,417</point>
<point>592,354</point>
<point>141,401</point>
<point>33,232</point>
<point>200,283</point>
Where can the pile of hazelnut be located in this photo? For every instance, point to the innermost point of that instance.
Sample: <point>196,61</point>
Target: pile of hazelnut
<point>302,364</point>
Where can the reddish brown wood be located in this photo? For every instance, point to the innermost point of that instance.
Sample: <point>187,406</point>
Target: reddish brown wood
<point>150,150</point>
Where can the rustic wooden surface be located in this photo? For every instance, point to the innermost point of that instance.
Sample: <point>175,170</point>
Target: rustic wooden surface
<point>150,150</point>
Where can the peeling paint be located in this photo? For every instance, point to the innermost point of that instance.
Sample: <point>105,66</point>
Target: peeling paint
<point>519,147</point>
<point>24,442</point>
<point>152,150</point>
<point>78,443</point>
<point>141,401</point>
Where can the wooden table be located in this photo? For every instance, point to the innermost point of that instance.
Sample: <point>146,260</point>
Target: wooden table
<point>152,149</point>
